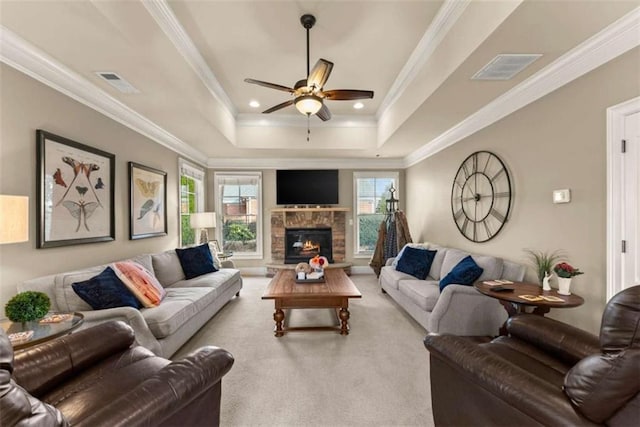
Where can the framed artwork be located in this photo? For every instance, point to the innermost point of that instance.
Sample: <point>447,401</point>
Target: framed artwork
<point>75,200</point>
<point>147,202</point>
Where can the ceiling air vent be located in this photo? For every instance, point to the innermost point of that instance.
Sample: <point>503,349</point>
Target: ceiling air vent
<point>118,82</point>
<point>504,67</point>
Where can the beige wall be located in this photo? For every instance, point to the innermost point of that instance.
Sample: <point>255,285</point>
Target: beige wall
<point>27,105</point>
<point>557,142</point>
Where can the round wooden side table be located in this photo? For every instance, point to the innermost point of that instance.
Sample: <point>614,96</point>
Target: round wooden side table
<point>513,302</point>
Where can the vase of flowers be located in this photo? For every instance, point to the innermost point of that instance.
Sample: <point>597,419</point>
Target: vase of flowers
<point>565,273</point>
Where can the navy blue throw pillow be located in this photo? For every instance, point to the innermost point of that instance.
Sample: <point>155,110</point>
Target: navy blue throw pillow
<point>416,262</point>
<point>464,273</point>
<point>196,261</point>
<point>105,290</point>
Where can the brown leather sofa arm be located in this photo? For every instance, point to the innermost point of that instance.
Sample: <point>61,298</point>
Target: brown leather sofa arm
<point>487,373</point>
<point>41,368</point>
<point>168,391</point>
<point>564,341</point>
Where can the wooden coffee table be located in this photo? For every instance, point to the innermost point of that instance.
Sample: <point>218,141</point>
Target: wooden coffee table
<point>334,292</point>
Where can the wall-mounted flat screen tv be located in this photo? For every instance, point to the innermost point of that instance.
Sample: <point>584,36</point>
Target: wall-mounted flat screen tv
<point>307,187</point>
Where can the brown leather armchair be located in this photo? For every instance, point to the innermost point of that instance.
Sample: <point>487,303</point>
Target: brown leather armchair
<point>95,377</point>
<point>543,373</point>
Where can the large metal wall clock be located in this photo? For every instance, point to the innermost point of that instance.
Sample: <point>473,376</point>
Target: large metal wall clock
<point>481,196</point>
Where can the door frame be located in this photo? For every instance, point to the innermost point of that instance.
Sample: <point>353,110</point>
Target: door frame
<point>615,202</point>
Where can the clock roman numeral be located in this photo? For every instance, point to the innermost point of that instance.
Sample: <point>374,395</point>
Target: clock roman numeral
<point>503,194</point>
<point>465,225</point>
<point>458,214</point>
<point>487,229</point>
<point>497,215</point>
<point>501,171</point>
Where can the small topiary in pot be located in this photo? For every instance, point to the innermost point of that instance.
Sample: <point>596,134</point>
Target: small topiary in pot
<point>27,306</point>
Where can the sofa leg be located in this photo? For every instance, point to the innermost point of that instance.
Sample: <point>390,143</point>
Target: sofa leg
<point>238,293</point>
<point>383,291</point>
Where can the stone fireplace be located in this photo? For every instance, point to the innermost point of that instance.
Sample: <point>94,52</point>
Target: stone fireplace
<point>301,244</point>
<point>309,220</point>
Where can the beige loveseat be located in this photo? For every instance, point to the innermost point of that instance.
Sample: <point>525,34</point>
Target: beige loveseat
<point>458,309</point>
<point>188,305</point>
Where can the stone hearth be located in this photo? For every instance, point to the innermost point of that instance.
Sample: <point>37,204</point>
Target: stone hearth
<point>334,218</point>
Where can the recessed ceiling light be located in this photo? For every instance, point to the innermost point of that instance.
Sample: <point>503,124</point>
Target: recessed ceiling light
<point>358,105</point>
<point>254,104</point>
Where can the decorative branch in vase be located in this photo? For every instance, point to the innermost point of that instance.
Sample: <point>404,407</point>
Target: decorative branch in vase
<point>542,262</point>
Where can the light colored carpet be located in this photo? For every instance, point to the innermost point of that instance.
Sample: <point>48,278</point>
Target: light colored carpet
<point>378,375</point>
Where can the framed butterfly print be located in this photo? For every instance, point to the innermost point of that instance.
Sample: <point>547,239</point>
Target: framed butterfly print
<point>75,200</point>
<point>147,202</point>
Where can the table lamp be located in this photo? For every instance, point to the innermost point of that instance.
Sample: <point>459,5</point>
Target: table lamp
<point>14,219</point>
<point>203,220</point>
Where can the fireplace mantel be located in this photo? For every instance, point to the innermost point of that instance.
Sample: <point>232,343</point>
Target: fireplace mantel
<point>333,217</point>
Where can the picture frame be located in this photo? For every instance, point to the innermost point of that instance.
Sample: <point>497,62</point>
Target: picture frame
<point>147,202</point>
<point>75,192</point>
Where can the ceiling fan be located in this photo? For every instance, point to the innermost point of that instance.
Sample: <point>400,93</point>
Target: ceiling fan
<point>309,95</point>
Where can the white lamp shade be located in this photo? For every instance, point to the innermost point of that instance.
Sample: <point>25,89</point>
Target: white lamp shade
<point>14,219</point>
<point>203,220</point>
<point>308,104</point>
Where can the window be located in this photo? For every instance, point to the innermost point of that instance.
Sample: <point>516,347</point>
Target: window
<point>371,191</point>
<point>191,199</point>
<point>239,208</point>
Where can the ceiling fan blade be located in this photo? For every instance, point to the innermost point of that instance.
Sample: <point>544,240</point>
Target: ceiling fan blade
<point>324,113</point>
<point>320,73</point>
<point>278,107</point>
<point>269,85</point>
<point>347,94</point>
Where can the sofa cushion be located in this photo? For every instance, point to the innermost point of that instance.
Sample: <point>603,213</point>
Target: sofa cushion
<point>180,305</point>
<point>196,261</point>
<point>167,267</point>
<point>219,280</point>
<point>105,290</point>
<point>464,273</point>
<point>436,265</point>
<point>424,293</point>
<point>416,262</point>
<point>408,245</point>
<point>66,298</point>
<point>491,266</point>
<point>145,261</point>
<point>140,282</point>
<point>390,276</point>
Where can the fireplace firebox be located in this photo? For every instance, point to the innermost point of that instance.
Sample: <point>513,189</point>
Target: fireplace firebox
<point>301,244</point>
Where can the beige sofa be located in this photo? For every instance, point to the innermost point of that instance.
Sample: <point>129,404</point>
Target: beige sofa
<point>188,305</point>
<point>458,309</point>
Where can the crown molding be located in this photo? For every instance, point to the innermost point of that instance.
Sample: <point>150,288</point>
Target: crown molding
<point>305,163</point>
<point>298,120</point>
<point>26,58</point>
<point>613,41</point>
<point>168,22</point>
<point>447,16</point>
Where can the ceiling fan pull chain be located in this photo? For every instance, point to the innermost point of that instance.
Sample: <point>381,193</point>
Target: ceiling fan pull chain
<point>308,127</point>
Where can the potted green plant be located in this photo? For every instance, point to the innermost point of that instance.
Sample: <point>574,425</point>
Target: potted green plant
<point>27,306</point>
<point>543,261</point>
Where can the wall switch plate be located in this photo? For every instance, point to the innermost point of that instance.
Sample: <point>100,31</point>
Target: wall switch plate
<point>562,196</point>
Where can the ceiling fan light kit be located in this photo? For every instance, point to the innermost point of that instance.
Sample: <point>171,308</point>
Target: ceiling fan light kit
<point>308,104</point>
<point>308,93</point>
